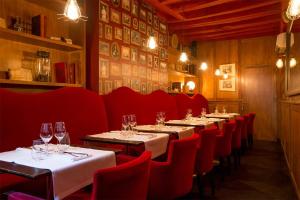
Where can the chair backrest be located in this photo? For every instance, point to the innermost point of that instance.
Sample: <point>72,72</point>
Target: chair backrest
<point>245,126</point>
<point>228,129</point>
<point>236,137</point>
<point>21,196</point>
<point>174,178</point>
<point>206,151</point>
<point>126,181</point>
<point>251,123</point>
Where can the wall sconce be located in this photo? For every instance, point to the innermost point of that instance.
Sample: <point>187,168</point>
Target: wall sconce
<point>203,66</point>
<point>218,72</point>
<point>225,76</point>
<point>191,85</point>
<point>293,10</point>
<point>183,57</point>
<point>280,62</point>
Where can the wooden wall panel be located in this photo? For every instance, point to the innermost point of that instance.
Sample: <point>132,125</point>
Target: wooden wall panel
<point>295,132</point>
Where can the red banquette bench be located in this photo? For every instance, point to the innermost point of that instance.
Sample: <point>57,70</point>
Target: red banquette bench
<point>83,111</point>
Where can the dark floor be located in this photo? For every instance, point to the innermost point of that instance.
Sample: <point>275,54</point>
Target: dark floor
<point>263,175</point>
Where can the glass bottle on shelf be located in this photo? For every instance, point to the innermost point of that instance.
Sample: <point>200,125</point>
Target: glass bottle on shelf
<point>42,71</point>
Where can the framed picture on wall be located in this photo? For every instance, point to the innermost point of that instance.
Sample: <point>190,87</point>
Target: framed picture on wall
<point>144,43</point>
<point>155,62</point>
<point>115,50</point>
<point>163,28</point>
<point>228,68</point>
<point>149,60</point>
<point>135,38</point>
<point>134,55</point>
<point>126,19</point>
<point>142,27</point>
<point>143,14</point>
<point>126,5</point>
<point>125,52</point>
<point>104,48</point>
<point>115,16</point>
<point>135,8</point>
<point>155,22</point>
<point>126,35</point>
<point>126,69</point>
<point>115,69</point>
<point>108,32</point>
<point>143,59</point>
<point>227,85</point>
<point>104,12</point>
<point>143,72</point>
<point>103,68</point>
<point>118,33</point>
<point>135,23</point>
<point>149,17</point>
<point>116,3</point>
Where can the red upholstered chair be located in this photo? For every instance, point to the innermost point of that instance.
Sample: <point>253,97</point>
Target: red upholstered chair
<point>22,196</point>
<point>205,157</point>
<point>236,141</point>
<point>245,132</point>
<point>127,181</point>
<point>174,178</point>
<point>250,128</point>
<point>223,143</point>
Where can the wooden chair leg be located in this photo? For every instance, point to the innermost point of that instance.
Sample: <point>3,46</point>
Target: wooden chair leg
<point>212,182</point>
<point>200,185</point>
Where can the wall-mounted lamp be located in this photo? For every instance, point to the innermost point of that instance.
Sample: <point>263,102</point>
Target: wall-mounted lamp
<point>183,57</point>
<point>293,10</point>
<point>293,62</point>
<point>203,66</point>
<point>225,76</point>
<point>191,85</point>
<point>218,72</point>
<point>279,63</point>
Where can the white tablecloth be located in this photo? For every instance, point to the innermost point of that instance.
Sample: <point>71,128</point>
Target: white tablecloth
<point>183,132</point>
<point>68,175</point>
<point>156,143</point>
<point>222,115</point>
<point>191,122</point>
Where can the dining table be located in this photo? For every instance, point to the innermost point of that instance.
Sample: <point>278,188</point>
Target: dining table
<point>226,116</point>
<point>65,172</point>
<point>155,142</point>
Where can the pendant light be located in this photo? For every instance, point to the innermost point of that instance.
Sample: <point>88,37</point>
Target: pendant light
<point>203,66</point>
<point>151,42</point>
<point>183,57</point>
<point>218,72</point>
<point>72,11</point>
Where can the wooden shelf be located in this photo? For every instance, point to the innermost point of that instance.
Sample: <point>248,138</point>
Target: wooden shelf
<point>181,73</point>
<point>36,83</point>
<point>37,40</point>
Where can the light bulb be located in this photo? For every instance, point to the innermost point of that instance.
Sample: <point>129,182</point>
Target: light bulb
<point>279,63</point>
<point>218,72</point>
<point>293,62</point>
<point>203,66</point>
<point>152,43</point>
<point>293,10</point>
<point>191,85</point>
<point>72,10</point>
<point>183,57</point>
<point>225,76</point>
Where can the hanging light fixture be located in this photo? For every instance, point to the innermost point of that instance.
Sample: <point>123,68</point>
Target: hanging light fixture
<point>293,10</point>
<point>191,85</point>
<point>225,76</point>
<point>203,66</point>
<point>279,63</point>
<point>72,11</point>
<point>218,72</point>
<point>183,57</point>
<point>151,42</point>
<point>293,62</point>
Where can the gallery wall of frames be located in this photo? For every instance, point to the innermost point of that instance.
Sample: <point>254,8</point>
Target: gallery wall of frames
<point>124,58</point>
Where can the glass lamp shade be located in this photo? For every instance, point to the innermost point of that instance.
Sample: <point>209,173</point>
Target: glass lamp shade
<point>191,85</point>
<point>293,10</point>
<point>72,10</point>
<point>293,62</point>
<point>218,72</point>
<point>183,57</point>
<point>152,43</point>
<point>203,66</point>
<point>225,76</point>
<point>279,63</point>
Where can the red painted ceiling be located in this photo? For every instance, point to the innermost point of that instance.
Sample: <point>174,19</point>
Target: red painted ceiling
<point>196,20</point>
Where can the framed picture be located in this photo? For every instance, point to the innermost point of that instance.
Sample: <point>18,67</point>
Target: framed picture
<point>144,43</point>
<point>108,32</point>
<point>162,27</point>
<point>118,33</point>
<point>100,30</point>
<point>143,58</point>
<point>149,30</point>
<point>126,69</point>
<point>292,81</point>
<point>143,72</point>
<point>163,66</point>
<point>143,14</point>
<point>115,50</point>
<point>108,86</point>
<point>163,54</point>
<point>126,19</point>
<point>135,70</point>
<point>166,40</point>
<point>155,22</point>
<point>125,52</point>
<point>134,55</point>
<point>115,69</point>
<point>149,74</point>
<point>135,85</point>
<point>227,68</point>
<point>104,12</point>
<point>143,89</point>
<point>115,16</point>
<point>104,48</point>
<point>135,38</point>
<point>126,35</point>
<point>149,60</point>
<point>149,17</point>
<point>117,84</point>
<point>135,23</point>
<point>227,85</point>
<point>127,82</point>
<point>142,27</point>
<point>103,68</point>
<point>116,3</point>
<point>160,39</point>
<point>135,8</point>
<point>126,5</point>
<point>155,62</point>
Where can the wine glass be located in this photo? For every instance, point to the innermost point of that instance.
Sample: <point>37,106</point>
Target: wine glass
<point>224,110</point>
<point>37,150</point>
<point>46,134</point>
<point>188,115</point>
<point>216,110</point>
<point>65,142</point>
<point>158,119</point>
<point>125,123</point>
<point>59,131</point>
<point>203,112</point>
<point>132,121</point>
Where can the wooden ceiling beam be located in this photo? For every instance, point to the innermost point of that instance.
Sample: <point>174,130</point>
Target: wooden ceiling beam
<point>165,9</point>
<point>199,6</point>
<point>225,20</point>
<point>169,2</point>
<point>240,9</point>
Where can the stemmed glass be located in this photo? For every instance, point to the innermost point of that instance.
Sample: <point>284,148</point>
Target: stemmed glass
<point>46,134</point>
<point>132,122</point>
<point>160,118</point>
<point>188,115</point>
<point>224,110</point>
<point>125,123</point>
<point>203,112</point>
<point>59,132</point>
